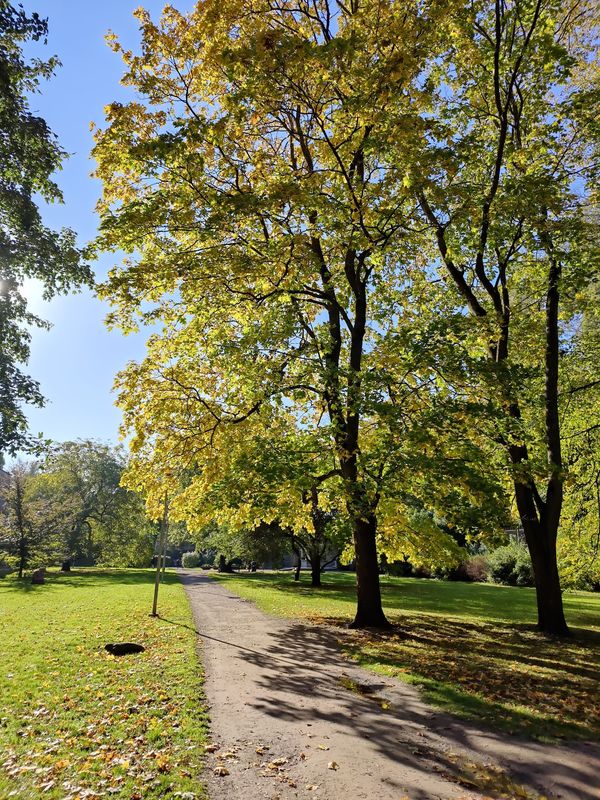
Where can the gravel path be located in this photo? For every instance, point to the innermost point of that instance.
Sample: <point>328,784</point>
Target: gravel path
<point>285,724</point>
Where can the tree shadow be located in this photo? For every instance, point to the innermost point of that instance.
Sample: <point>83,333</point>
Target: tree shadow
<point>504,603</point>
<point>84,578</point>
<point>525,682</point>
<point>299,672</point>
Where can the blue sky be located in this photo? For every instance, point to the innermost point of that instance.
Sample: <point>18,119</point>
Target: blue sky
<point>77,360</point>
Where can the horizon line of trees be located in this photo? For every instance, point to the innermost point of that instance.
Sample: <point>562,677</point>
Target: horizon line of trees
<point>68,507</point>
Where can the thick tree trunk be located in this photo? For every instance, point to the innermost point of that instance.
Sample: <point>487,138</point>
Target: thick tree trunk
<point>541,542</point>
<point>369,611</point>
<point>315,571</point>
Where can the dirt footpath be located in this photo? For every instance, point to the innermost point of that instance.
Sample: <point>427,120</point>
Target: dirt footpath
<point>287,721</point>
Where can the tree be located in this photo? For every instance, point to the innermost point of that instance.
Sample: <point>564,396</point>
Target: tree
<point>579,534</point>
<point>506,173</point>
<point>32,527</point>
<point>223,545</point>
<point>108,524</point>
<point>29,155</point>
<point>270,232</point>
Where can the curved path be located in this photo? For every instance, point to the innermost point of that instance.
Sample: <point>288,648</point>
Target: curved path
<point>287,722</point>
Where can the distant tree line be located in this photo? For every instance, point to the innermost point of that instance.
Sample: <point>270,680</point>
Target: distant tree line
<point>69,508</point>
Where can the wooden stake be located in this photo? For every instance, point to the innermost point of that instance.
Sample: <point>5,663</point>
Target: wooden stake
<point>161,556</point>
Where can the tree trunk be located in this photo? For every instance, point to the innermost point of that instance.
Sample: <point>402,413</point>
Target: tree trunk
<point>297,565</point>
<point>369,611</point>
<point>20,526</point>
<point>541,542</point>
<point>224,565</point>
<point>22,555</point>
<point>315,570</point>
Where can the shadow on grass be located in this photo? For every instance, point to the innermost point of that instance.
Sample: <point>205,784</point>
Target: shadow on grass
<point>479,663</point>
<point>298,671</point>
<point>504,674</point>
<point>84,578</point>
<point>486,601</point>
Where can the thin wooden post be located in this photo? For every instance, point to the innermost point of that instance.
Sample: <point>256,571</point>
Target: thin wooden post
<point>160,559</point>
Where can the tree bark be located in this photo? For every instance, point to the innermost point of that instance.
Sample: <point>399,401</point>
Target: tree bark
<point>551,618</point>
<point>369,611</point>
<point>315,570</point>
<point>541,530</point>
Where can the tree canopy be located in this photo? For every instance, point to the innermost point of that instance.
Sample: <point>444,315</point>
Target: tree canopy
<point>29,156</point>
<point>354,223</point>
<point>70,506</point>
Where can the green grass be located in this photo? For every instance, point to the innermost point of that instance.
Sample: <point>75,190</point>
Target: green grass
<point>76,722</point>
<point>472,648</point>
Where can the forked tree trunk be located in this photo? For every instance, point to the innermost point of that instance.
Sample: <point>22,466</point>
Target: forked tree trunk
<point>540,535</point>
<point>369,611</point>
<point>540,517</point>
<point>541,531</point>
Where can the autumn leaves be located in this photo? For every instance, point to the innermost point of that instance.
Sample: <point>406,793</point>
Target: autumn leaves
<point>349,222</point>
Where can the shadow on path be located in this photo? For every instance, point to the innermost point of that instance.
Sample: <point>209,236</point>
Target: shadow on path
<point>287,675</point>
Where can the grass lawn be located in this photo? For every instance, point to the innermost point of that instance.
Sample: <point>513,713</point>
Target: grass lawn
<point>472,648</point>
<point>78,723</point>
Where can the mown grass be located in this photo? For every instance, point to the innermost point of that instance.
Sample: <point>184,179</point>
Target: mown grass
<point>472,648</point>
<point>76,722</point>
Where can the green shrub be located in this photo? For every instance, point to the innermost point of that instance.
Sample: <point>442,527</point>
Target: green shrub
<point>511,565</point>
<point>190,560</point>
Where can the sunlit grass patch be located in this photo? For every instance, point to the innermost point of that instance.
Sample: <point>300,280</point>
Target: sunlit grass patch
<point>76,722</point>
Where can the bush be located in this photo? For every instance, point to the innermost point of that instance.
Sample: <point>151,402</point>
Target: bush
<point>476,569</point>
<point>511,566</point>
<point>190,560</point>
<point>207,566</point>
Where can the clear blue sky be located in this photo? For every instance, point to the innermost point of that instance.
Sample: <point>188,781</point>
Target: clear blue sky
<point>77,360</point>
